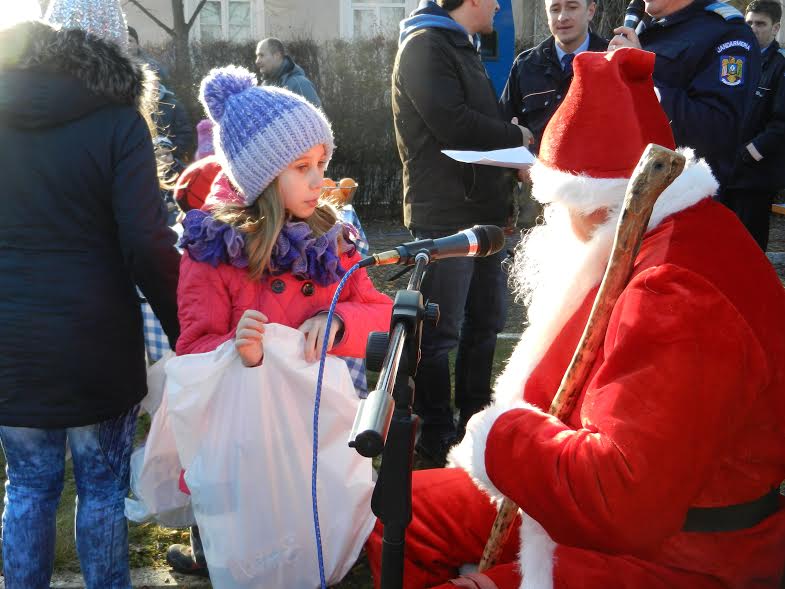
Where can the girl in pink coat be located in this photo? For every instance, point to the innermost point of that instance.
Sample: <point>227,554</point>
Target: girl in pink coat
<point>269,251</point>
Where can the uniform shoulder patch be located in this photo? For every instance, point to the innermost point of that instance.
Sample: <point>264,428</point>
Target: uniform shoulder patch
<point>726,11</point>
<point>732,70</point>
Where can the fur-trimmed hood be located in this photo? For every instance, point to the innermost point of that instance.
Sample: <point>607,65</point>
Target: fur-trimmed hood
<point>49,76</point>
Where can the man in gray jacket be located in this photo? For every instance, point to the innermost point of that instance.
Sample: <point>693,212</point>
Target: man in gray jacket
<point>278,69</point>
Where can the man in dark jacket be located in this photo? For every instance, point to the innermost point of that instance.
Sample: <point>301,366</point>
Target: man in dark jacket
<point>172,121</point>
<point>278,69</point>
<point>706,74</point>
<point>82,225</point>
<point>760,166</point>
<point>540,77</point>
<point>443,99</point>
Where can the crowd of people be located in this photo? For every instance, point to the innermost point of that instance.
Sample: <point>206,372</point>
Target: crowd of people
<point>667,471</point>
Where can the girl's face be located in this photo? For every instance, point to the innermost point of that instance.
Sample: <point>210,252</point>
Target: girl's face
<point>300,184</point>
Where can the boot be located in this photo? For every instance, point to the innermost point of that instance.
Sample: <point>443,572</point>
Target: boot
<point>188,560</point>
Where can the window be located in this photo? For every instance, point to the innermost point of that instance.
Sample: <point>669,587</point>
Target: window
<point>377,17</point>
<point>226,19</point>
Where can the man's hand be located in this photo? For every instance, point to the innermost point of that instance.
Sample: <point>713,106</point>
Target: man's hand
<point>528,136</point>
<point>624,37</point>
<point>248,337</point>
<point>523,174</point>
<point>314,330</point>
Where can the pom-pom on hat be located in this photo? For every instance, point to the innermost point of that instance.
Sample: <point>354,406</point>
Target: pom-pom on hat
<point>593,142</point>
<point>259,130</point>
<point>102,18</point>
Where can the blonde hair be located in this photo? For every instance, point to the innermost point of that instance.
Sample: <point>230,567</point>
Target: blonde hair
<point>262,221</point>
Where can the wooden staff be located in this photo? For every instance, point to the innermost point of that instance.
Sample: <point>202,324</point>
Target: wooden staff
<point>657,168</point>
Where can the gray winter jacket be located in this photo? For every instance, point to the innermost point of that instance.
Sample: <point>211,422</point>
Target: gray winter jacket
<point>292,77</point>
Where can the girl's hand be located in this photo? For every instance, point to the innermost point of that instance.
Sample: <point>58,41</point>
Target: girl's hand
<point>248,337</point>
<point>314,330</point>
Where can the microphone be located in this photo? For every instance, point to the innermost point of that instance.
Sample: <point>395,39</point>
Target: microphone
<point>477,242</point>
<point>634,13</point>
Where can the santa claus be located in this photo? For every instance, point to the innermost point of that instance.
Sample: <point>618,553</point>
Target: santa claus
<point>666,474</point>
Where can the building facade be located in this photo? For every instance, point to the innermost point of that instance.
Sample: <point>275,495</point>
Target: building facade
<point>287,19</point>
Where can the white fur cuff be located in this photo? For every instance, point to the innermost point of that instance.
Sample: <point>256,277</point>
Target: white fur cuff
<point>470,453</point>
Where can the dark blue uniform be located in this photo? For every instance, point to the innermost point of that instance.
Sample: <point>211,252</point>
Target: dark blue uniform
<point>707,71</point>
<point>538,84</point>
<point>757,178</point>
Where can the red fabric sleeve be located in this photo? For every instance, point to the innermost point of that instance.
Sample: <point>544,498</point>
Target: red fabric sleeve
<point>204,308</point>
<point>362,309</point>
<point>680,369</point>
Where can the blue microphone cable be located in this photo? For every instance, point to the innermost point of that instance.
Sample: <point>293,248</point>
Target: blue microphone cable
<point>317,400</point>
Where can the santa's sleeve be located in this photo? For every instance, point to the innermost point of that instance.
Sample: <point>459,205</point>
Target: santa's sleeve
<point>680,370</point>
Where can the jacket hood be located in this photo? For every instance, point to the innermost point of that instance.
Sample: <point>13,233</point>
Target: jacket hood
<point>430,15</point>
<point>50,76</point>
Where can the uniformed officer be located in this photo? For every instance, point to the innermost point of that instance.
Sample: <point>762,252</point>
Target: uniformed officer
<point>760,165</point>
<point>540,77</point>
<point>706,73</point>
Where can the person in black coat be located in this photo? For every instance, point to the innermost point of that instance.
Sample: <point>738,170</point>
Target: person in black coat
<point>173,122</point>
<point>442,98</point>
<point>82,225</point>
<point>760,164</point>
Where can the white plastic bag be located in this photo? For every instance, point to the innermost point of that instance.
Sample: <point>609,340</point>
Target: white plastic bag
<point>156,380</point>
<point>244,436</point>
<point>155,466</point>
<point>155,478</point>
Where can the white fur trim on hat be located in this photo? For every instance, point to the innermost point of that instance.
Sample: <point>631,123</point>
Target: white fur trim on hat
<point>587,194</point>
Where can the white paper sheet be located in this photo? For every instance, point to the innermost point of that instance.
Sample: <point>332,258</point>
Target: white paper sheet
<point>513,157</point>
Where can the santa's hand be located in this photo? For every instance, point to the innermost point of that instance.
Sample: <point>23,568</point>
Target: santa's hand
<point>248,337</point>
<point>315,329</point>
<point>624,37</point>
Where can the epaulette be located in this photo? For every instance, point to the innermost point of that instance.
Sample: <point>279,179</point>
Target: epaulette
<point>726,11</point>
<point>781,51</point>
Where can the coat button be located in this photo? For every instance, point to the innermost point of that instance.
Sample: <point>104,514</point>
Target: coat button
<point>278,286</point>
<point>308,289</point>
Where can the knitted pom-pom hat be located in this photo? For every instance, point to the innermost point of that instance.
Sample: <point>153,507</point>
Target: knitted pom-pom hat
<point>259,130</point>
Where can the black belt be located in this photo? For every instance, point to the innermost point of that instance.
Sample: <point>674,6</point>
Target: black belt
<point>732,517</point>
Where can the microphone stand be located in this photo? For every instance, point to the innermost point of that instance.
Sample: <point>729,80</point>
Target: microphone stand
<point>384,421</point>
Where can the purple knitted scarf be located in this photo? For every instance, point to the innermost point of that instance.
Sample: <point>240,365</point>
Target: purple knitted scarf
<point>296,250</point>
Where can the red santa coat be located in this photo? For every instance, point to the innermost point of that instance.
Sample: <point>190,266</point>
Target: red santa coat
<point>684,408</point>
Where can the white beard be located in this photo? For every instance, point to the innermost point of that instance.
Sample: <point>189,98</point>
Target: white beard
<point>551,274</point>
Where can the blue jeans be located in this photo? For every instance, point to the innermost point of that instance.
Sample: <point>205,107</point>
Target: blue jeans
<point>35,468</point>
<point>472,298</point>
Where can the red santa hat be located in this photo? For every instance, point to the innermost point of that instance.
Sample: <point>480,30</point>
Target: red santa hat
<point>594,140</point>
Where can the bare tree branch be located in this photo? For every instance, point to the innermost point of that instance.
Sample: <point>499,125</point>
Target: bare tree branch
<point>154,18</point>
<point>197,10</point>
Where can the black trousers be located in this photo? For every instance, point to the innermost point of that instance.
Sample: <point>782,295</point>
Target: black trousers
<point>472,298</point>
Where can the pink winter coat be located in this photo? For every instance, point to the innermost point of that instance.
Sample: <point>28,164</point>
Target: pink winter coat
<point>212,300</point>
